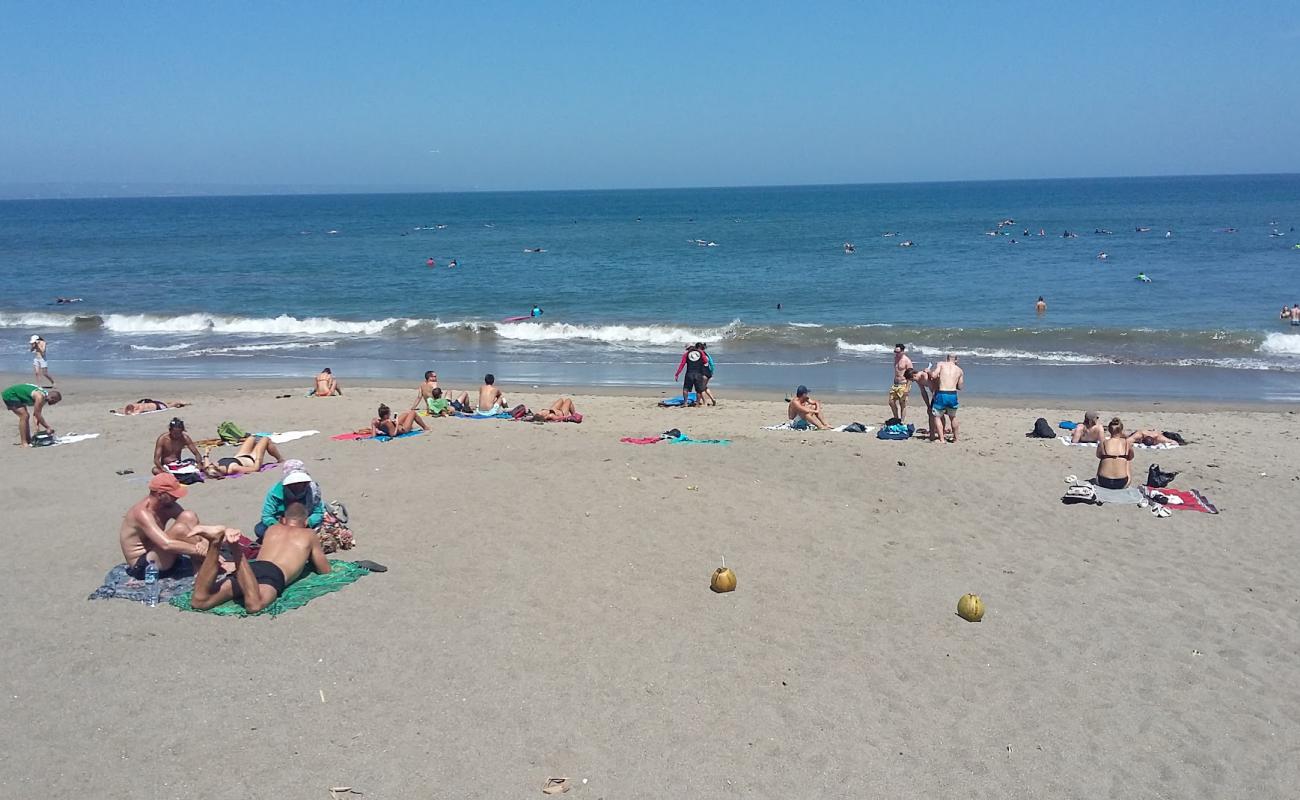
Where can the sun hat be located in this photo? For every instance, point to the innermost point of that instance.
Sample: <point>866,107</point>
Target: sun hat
<point>296,477</point>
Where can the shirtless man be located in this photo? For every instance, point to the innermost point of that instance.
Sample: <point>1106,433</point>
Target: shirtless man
<point>951,380</point>
<point>1292,314</point>
<point>1090,431</point>
<point>146,536</point>
<point>171,444</point>
<point>287,549</point>
<point>1040,306</point>
<point>490,399</point>
<point>929,387</point>
<point>326,386</point>
<point>40,367</point>
<point>898,391</point>
<point>804,411</point>
<point>1150,438</point>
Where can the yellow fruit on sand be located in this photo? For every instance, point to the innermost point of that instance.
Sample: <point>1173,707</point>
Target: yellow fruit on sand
<point>970,608</point>
<point>724,580</point>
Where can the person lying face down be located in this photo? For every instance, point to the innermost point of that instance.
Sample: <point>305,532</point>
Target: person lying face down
<point>288,549</point>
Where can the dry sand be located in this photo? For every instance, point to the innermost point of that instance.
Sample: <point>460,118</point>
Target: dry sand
<point>547,613</point>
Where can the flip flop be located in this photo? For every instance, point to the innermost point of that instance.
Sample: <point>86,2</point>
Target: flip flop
<point>373,566</point>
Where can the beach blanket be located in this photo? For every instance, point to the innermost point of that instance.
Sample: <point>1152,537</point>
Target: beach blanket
<point>295,595</point>
<point>1132,496</point>
<point>120,586</point>
<point>676,402</point>
<point>477,415</point>
<point>679,439</point>
<point>117,413</point>
<point>1183,499</point>
<point>570,418</point>
<point>788,425</point>
<point>287,436</point>
<point>73,438</point>
<point>1065,440</point>
<point>358,436</point>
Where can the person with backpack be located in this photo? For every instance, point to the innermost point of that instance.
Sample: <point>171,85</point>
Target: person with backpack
<point>693,361</point>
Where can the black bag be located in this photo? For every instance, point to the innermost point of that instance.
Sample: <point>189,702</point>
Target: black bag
<point>1176,436</point>
<point>855,427</point>
<point>1158,479</point>
<point>42,439</point>
<point>1042,430</point>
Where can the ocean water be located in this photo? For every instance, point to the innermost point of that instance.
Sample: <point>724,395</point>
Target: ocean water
<point>285,285</point>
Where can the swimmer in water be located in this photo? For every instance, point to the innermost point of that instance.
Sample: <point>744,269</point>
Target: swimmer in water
<point>849,248</point>
<point>1102,256</point>
<point>451,264</point>
<point>1142,276</point>
<point>1041,305</point>
<point>908,243</point>
<point>431,262</point>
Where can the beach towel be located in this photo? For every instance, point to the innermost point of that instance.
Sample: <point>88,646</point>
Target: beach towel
<point>1132,496</point>
<point>1065,440</point>
<point>295,595</point>
<point>73,438</point>
<point>896,432</point>
<point>117,413</point>
<point>788,425</point>
<point>287,436</point>
<point>641,439</point>
<point>358,436</point>
<point>680,438</point>
<point>1066,425</point>
<point>676,402</point>
<point>1183,499</point>
<point>120,586</point>
<point>477,415</point>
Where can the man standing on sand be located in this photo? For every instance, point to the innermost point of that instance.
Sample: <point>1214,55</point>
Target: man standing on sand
<point>146,535</point>
<point>326,386</point>
<point>19,396</point>
<point>804,411</point>
<point>898,391</point>
<point>287,549</point>
<point>171,445</point>
<point>951,380</point>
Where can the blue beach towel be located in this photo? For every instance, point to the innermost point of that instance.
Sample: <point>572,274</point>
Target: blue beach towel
<point>499,415</point>
<point>675,402</point>
<point>1066,425</point>
<point>896,432</point>
<point>382,438</point>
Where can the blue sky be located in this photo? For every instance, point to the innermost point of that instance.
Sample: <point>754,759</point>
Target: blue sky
<point>559,95</point>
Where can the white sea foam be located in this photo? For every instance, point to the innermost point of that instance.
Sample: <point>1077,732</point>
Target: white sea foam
<point>260,348</point>
<point>167,347</point>
<point>36,319</point>
<point>660,335</point>
<point>804,325</point>
<point>862,348</point>
<point>212,323</point>
<point>1281,344</point>
<point>999,353</point>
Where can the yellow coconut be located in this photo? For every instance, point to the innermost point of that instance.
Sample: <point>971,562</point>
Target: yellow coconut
<point>970,608</point>
<point>724,580</point>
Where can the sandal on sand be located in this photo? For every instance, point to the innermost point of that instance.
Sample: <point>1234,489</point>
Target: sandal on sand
<point>556,786</point>
<point>373,566</point>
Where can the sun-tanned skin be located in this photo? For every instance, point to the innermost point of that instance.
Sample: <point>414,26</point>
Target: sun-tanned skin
<point>145,530</point>
<point>290,545</point>
<point>1089,431</point>
<point>488,396</point>
<point>1149,438</point>
<point>326,385</point>
<point>252,452</point>
<point>951,378</point>
<point>560,409</point>
<point>170,446</point>
<point>808,409</point>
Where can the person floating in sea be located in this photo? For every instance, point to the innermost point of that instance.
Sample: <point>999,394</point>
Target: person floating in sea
<point>1102,256</point>
<point>536,312</point>
<point>430,262</point>
<point>1142,276</point>
<point>63,301</point>
<point>1041,305</point>
<point>908,243</point>
<point>451,264</point>
<point>849,248</point>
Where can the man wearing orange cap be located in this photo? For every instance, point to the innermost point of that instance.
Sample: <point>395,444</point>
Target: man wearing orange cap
<point>157,529</point>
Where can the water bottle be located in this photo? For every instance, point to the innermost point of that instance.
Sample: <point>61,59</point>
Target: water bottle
<point>151,587</point>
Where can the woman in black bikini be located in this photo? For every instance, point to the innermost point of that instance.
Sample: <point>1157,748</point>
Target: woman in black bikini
<point>385,425</point>
<point>1114,457</point>
<point>251,453</point>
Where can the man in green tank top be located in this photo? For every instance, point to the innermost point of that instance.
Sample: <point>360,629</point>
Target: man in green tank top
<point>19,396</point>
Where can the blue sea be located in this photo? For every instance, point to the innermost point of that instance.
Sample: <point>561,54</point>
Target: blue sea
<point>285,285</point>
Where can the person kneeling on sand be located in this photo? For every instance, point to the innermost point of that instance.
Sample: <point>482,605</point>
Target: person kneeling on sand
<point>170,445</point>
<point>252,453</point>
<point>326,386</point>
<point>288,548</point>
<point>158,530</point>
<point>1089,430</point>
<point>296,487</point>
<point>385,425</point>
<point>490,399</point>
<point>804,411</point>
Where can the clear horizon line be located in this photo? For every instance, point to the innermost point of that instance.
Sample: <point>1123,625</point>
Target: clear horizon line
<point>196,190</point>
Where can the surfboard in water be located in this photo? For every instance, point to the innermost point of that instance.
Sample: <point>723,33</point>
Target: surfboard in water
<point>518,319</point>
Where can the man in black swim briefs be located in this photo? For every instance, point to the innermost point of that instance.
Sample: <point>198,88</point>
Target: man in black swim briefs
<point>288,549</point>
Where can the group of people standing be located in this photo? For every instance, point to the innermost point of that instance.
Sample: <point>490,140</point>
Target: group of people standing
<point>939,386</point>
<point>698,365</point>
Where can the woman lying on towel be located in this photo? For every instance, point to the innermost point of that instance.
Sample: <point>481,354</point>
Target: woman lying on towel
<point>561,410</point>
<point>385,425</point>
<point>145,406</point>
<point>252,452</point>
<point>1114,457</point>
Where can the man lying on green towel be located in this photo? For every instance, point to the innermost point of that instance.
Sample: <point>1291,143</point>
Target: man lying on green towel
<point>288,548</point>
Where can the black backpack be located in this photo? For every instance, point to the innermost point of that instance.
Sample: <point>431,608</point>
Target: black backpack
<point>1158,479</point>
<point>1042,430</point>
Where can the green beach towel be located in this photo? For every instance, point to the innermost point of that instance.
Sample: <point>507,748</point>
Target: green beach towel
<point>295,595</point>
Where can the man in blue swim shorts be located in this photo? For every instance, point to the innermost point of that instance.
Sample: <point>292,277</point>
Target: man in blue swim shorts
<point>950,380</point>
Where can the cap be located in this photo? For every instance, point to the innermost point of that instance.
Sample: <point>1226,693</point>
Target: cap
<point>35,339</point>
<point>298,476</point>
<point>166,482</point>
<point>802,390</point>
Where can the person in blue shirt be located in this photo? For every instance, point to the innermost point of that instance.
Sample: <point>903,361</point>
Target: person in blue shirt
<point>297,487</point>
<point>537,311</point>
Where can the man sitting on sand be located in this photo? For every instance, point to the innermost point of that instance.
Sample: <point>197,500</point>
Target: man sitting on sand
<point>1089,431</point>
<point>951,380</point>
<point>170,445</point>
<point>438,403</point>
<point>147,405</point>
<point>146,534</point>
<point>18,397</point>
<point>287,549</point>
<point>490,399</point>
<point>326,386</point>
<point>804,411</point>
